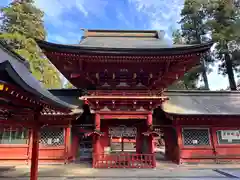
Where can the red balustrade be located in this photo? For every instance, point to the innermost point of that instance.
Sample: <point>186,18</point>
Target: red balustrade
<point>124,160</point>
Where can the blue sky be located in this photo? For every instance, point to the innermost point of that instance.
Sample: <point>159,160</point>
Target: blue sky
<point>65,18</point>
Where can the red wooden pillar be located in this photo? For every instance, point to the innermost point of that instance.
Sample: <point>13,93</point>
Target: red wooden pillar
<point>96,139</point>
<point>74,146</point>
<point>97,121</point>
<point>180,143</point>
<point>214,140</point>
<point>151,143</point>
<point>67,144</point>
<point>35,152</point>
<point>139,140</point>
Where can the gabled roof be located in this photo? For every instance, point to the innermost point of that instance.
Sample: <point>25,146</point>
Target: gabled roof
<point>125,42</point>
<point>122,33</point>
<point>124,39</point>
<point>17,69</point>
<point>202,103</point>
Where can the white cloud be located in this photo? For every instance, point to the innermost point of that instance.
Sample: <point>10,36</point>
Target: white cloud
<point>51,8</point>
<point>123,18</point>
<point>162,13</point>
<point>94,7</point>
<point>56,8</point>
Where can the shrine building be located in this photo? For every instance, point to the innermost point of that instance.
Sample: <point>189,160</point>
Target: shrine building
<point>120,113</point>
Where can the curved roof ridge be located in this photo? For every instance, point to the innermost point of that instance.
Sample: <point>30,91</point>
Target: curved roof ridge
<point>5,47</point>
<point>14,65</point>
<point>121,48</point>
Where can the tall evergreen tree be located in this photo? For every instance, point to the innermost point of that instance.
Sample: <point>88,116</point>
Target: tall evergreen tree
<point>193,29</point>
<point>21,24</point>
<point>223,21</point>
<point>189,80</point>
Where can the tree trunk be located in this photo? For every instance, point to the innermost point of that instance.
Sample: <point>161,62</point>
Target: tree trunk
<point>204,75</point>
<point>229,67</point>
<point>203,63</point>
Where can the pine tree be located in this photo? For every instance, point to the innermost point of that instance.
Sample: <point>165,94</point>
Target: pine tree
<point>223,21</point>
<point>21,24</point>
<point>193,30</point>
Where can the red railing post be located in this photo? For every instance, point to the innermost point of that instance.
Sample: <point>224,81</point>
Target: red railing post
<point>154,160</point>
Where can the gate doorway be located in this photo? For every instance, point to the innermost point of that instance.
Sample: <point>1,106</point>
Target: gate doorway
<point>85,149</point>
<point>166,145</point>
<point>159,145</point>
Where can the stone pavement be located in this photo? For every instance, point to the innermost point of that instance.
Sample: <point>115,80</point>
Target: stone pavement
<point>79,172</point>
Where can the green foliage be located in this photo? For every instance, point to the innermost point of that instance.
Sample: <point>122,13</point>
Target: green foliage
<point>193,31</point>
<point>177,37</point>
<point>223,22</point>
<point>21,24</point>
<point>68,85</point>
<point>189,80</point>
<point>192,21</point>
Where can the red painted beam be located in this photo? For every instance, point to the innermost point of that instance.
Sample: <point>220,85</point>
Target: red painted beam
<point>110,117</point>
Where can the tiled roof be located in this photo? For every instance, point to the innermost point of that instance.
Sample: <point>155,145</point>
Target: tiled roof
<point>125,39</point>
<point>125,42</point>
<point>202,103</point>
<point>15,67</point>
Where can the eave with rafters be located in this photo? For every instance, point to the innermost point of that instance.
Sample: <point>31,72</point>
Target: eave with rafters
<point>123,103</point>
<point>106,68</point>
<point>21,96</point>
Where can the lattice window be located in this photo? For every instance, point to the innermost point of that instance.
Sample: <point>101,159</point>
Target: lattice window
<point>228,136</point>
<point>13,135</point>
<point>195,137</point>
<point>52,136</point>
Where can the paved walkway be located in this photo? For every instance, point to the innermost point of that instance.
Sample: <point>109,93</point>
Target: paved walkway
<point>163,171</point>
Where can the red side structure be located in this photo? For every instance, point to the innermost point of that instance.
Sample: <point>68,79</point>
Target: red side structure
<point>207,126</point>
<point>22,103</point>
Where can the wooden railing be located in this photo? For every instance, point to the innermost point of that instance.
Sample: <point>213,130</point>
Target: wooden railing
<point>124,160</point>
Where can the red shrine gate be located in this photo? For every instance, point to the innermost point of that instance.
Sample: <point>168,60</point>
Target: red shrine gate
<point>115,111</point>
<point>124,73</point>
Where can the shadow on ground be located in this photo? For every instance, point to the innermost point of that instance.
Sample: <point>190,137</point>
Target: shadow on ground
<point>62,170</point>
<point>6,169</point>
